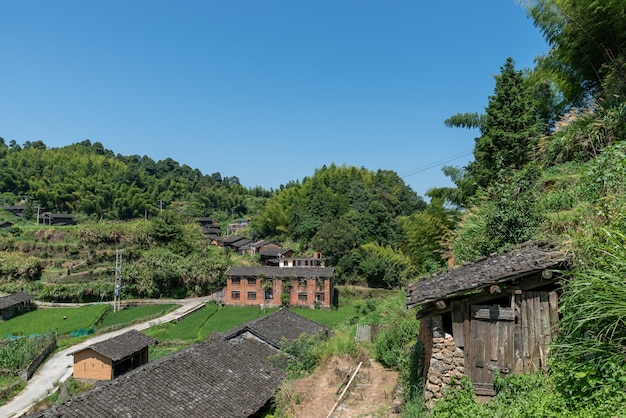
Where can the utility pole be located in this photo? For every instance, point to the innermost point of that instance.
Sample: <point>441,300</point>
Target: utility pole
<point>117,295</point>
<point>161,205</point>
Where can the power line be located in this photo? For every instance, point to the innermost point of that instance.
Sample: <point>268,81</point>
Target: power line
<point>435,164</point>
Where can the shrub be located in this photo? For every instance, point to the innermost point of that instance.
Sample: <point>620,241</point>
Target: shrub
<point>588,358</point>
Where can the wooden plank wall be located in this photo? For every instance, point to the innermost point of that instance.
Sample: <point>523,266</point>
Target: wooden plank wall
<point>535,329</point>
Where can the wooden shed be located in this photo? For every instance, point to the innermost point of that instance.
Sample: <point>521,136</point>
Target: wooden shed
<point>111,358</point>
<point>497,314</point>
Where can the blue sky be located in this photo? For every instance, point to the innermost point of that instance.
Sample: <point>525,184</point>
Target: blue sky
<point>267,91</point>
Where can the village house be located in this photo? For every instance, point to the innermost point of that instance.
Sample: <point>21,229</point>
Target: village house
<point>15,304</point>
<point>239,245</point>
<point>498,314</point>
<point>276,286</point>
<point>228,375</point>
<point>228,242</point>
<point>256,247</point>
<point>273,329</point>
<point>111,358</point>
<point>210,228</point>
<point>269,256</point>
<point>316,261</point>
<point>237,225</point>
<point>17,210</point>
<point>56,219</point>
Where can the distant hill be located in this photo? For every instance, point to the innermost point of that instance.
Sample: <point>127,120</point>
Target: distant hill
<point>87,179</point>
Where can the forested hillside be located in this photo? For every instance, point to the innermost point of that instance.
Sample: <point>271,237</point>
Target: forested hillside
<point>92,182</point>
<point>370,225</point>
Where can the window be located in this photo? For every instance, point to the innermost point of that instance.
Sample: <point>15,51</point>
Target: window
<point>234,295</point>
<point>301,282</point>
<point>320,297</point>
<point>251,295</point>
<point>251,282</point>
<point>235,281</point>
<point>269,294</point>
<point>303,297</point>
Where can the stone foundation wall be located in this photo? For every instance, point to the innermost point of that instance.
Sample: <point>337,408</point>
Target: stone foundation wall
<point>447,361</point>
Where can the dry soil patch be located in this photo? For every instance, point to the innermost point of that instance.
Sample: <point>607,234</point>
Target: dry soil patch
<point>372,393</point>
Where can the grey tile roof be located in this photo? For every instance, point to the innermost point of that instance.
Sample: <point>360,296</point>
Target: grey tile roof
<point>274,252</point>
<point>216,378</point>
<point>240,243</point>
<point>281,324</point>
<point>14,299</point>
<point>528,258</point>
<point>122,346</point>
<point>280,272</point>
<point>261,243</point>
<point>232,238</point>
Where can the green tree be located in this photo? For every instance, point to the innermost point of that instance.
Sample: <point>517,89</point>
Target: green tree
<point>510,125</point>
<point>585,37</point>
<point>424,237</point>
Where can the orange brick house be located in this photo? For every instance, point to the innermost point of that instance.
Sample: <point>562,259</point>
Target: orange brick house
<point>111,358</point>
<point>275,286</point>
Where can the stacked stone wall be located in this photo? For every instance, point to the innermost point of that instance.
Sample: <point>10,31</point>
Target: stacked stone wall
<point>446,363</point>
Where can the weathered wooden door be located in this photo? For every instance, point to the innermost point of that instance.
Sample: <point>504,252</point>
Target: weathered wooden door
<point>491,345</point>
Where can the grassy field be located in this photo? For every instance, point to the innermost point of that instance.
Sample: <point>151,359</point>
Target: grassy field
<point>199,325</point>
<point>213,318</point>
<point>330,318</point>
<point>60,320</point>
<point>135,313</point>
<point>196,327</point>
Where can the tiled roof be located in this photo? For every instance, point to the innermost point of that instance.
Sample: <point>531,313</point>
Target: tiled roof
<point>528,258</point>
<point>280,272</point>
<point>14,299</point>
<point>260,243</point>
<point>216,378</point>
<point>274,252</point>
<point>281,324</point>
<point>122,346</point>
<point>240,243</point>
<point>232,238</point>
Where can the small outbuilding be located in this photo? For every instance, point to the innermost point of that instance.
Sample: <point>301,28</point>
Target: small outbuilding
<point>111,358</point>
<point>15,304</point>
<point>497,314</point>
<point>274,328</point>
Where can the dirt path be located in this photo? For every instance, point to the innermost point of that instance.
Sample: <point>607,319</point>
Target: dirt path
<point>58,367</point>
<point>372,393</point>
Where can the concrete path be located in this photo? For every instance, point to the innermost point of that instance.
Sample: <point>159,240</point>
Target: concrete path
<point>58,367</point>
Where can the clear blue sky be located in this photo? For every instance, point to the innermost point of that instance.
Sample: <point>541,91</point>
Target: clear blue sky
<point>265,90</point>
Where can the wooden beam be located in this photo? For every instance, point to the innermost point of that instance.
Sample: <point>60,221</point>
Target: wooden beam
<point>457,323</point>
<point>493,289</point>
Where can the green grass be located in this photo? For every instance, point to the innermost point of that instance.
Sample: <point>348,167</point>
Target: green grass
<point>9,387</point>
<point>199,325</point>
<point>134,314</point>
<point>228,317</point>
<point>331,318</point>
<point>186,329</point>
<point>42,321</point>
